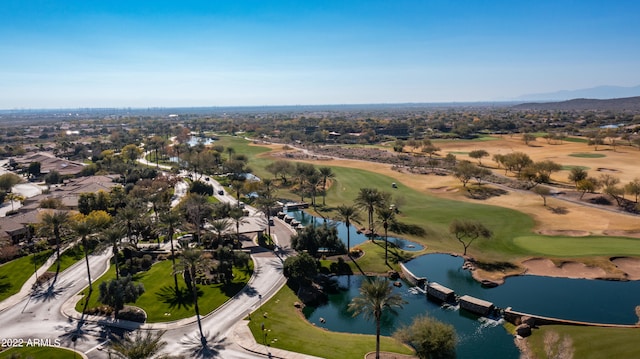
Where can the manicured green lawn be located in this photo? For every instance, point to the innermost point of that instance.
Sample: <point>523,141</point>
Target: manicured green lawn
<point>287,329</point>
<point>435,214</point>
<point>242,146</point>
<point>579,246</point>
<point>587,155</point>
<point>39,352</point>
<point>592,342</point>
<point>512,230</point>
<point>570,167</point>
<point>576,139</point>
<point>13,274</point>
<point>68,258</point>
<point>160,301</point>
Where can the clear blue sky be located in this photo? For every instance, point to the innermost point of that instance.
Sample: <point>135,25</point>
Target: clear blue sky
<point>112,53</point>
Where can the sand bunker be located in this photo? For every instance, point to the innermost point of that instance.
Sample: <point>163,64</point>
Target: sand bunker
<point>545,267</point>
<point>564,232</point>
<point>631,266</point>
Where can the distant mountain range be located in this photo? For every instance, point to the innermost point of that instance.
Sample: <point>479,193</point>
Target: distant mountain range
<point>583,104</point>
<point>600,92</point>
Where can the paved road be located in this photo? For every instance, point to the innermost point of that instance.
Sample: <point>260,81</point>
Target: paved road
<point>40,314</point>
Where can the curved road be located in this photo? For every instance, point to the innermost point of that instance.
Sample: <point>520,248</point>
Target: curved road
<point>36,317</point>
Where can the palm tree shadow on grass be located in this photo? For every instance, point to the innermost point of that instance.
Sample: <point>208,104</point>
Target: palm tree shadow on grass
<point>183,298</point>
<point>5,284</point>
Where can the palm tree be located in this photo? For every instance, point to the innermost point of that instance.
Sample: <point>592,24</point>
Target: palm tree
<point>238,188</point>
<point>85,228</point>
<point>170,219</point>
<point>302,172</point>
<point>111,237</point>
<point>369,199</point>
<point>220,226</point>
<point>191,262</point>
<point>314,181</point>
<point>52,222</point>
<point>376,296</point>
<point>139,346</point>
<point>237,215</point>
<point>386,216</point>
<point>266,201</point>
<point>196,207</point>
<point>347,214</point>
<point>230,151</point>
<point>127,216</point>
<point>326,173</point>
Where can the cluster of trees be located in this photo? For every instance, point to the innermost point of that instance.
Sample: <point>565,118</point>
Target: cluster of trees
<point>7,181</point>
<point>609,184</point>
<point>306,179</point>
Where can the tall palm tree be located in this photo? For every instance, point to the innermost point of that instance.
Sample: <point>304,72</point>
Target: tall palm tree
<point>170,220</point>
<point>302,172</point>
<point>139,345</point>
<point>266,201</point>
<point>237,215</point>
<point>53,222</point>
<point>84,228</point>
<point>197,207</point>
<point>386,216</point>
<point>369,199</point>
<point>191,262</point>
<point>127,216</point>
<point>376,297</point>
<point>238,188</point>
<point>111,237</point>
<point>347,214</point>
<point>326,173</point>
<point>314,181</point>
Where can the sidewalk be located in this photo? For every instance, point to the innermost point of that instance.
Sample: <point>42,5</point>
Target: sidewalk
<point>27,287</point>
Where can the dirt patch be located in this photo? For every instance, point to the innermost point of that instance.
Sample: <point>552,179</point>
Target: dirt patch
<point>609,170</point>
<point>631,266</point>
<point>618,233</point>
<point>545,267</point>
<point>564,232</point>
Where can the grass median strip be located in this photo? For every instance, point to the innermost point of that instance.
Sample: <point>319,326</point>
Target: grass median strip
<point>160,300</point>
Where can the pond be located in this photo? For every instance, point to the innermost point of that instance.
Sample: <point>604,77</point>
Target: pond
<point>354,237</point>
<point>599,301</point>
<point>576,299</point>
<point>478,338</point>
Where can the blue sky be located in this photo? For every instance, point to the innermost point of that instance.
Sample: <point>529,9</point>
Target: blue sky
<point>64,53</point>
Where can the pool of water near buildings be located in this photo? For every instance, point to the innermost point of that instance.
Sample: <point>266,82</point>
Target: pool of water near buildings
<point>585,300</point>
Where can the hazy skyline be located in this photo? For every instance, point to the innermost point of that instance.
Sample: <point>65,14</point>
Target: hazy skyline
<point>58,54</point>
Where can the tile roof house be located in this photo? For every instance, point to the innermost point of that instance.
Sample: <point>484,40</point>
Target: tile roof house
<point>15,228</point>
<point>69,192</point>
<point>49,162</point>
